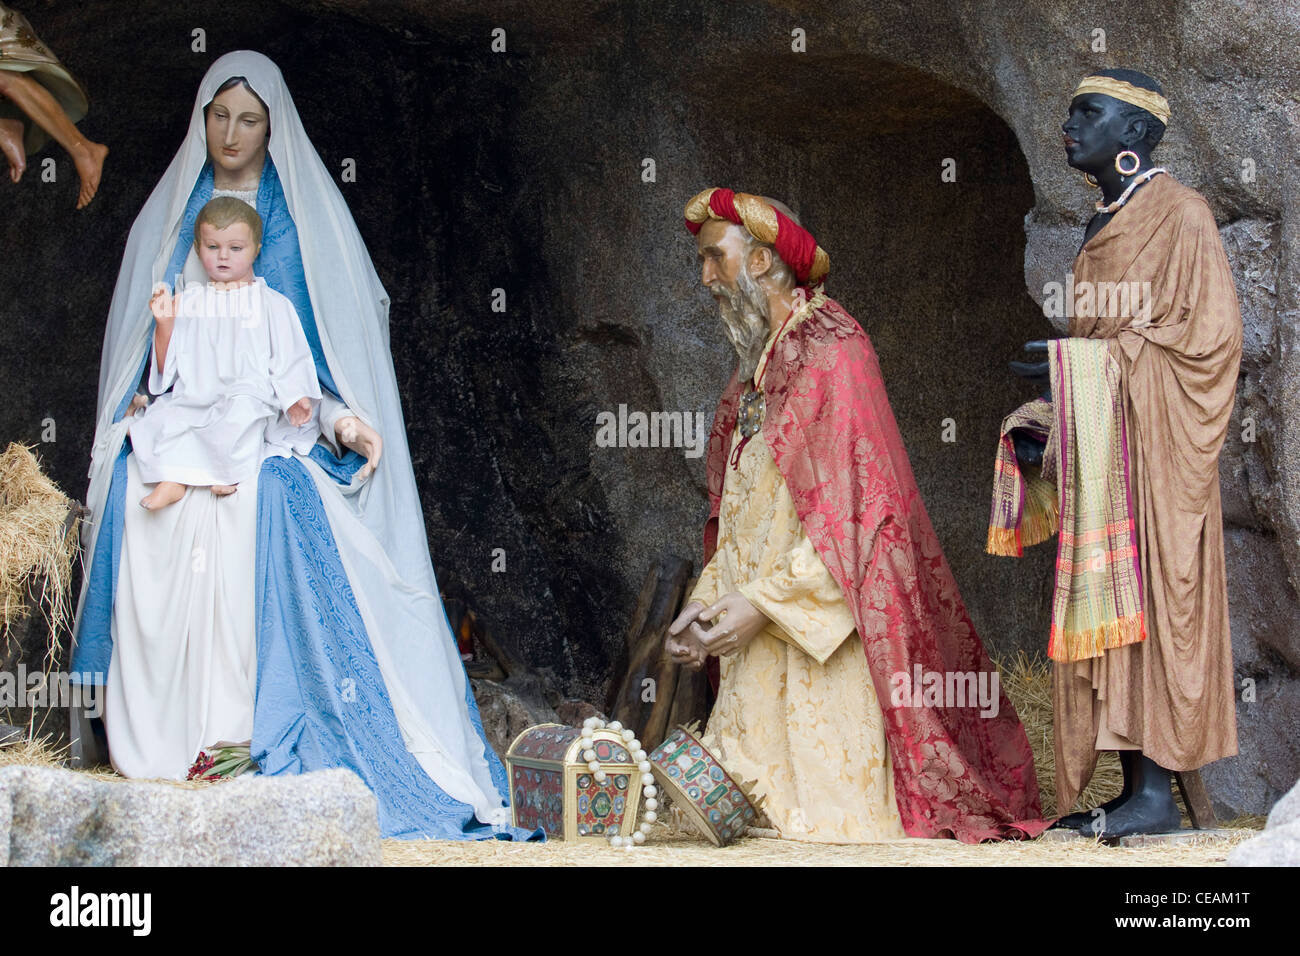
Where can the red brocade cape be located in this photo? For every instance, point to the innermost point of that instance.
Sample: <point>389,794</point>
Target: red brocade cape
<point>833,436</point>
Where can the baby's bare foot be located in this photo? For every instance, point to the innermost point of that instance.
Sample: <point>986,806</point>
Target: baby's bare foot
<point>163,494</point>
<point>222,490</point>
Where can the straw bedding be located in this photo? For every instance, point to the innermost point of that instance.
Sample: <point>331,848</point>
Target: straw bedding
<point>670,847</point>
<point>37,544</point>
<point>672,844</point>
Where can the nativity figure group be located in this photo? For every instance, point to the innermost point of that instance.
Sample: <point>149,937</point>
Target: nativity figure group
<point>253,575</point>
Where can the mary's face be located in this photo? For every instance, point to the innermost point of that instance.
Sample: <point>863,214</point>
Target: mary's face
<point>237,128</point>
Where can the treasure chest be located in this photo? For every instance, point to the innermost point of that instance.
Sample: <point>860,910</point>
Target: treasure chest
<point>701,787</point>
<point>553,787</point>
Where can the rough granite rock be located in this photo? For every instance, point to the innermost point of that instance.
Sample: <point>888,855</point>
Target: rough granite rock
<point>574,712</point>
<point>1286,810</point>
<point>6,818</point>
<point>61,818</point>
<point>1279,844</point>
<point>508,709</point>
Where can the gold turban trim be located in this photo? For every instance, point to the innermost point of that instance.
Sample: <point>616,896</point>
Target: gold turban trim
<point>1149,100</point>
<point>759,217</point>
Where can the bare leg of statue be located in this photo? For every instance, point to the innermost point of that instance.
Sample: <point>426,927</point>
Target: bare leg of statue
<point>34,100</point>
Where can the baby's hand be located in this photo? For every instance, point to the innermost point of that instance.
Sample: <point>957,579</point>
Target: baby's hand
<point>163,304</point>
<point>299,412</point>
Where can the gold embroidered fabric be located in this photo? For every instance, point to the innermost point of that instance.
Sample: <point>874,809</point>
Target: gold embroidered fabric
<point>796,711</point>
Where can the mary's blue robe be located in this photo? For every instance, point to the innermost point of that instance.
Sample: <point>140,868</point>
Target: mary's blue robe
<point>321,701</point>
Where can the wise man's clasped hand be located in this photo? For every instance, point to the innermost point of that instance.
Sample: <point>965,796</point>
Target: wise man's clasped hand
<point>735,622</point>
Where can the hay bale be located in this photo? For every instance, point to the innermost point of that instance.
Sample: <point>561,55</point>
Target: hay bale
<point>1028,683</point>
<point>38,544</point>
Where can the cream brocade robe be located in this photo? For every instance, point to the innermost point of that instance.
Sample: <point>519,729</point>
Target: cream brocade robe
<point>796,712</point>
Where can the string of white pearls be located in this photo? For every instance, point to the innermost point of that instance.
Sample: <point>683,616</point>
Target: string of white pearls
<point>648,789</point>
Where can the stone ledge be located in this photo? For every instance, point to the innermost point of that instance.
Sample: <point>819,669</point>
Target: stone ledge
<point>55,817</point>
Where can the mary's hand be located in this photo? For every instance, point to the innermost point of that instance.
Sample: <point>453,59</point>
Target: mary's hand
<point>362,439</point>
<point>138,403</point>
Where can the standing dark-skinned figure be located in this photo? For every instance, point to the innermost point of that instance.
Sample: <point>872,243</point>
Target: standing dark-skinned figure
<point>1141,397</point>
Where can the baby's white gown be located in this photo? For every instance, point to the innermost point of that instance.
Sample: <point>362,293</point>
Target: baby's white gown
<point>184,647</point>
<point>237,360</point>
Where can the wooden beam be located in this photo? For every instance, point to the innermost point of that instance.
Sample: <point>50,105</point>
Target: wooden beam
<point>1197,799</point>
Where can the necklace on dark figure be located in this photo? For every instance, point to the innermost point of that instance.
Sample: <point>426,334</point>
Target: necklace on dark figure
<point>1112,208</point>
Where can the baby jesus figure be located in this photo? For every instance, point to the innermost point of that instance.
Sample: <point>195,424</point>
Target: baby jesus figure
<point>242,382</point>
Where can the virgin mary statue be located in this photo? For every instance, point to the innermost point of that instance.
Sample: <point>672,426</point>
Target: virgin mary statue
<point>300,613</point>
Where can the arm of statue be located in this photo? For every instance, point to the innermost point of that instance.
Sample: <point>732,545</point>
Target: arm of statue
<point>804,602</point>
<point>1036,372</point>
<point>163,306</point>
<point>1029,449</point>
<point>343,428</point>
<point>735,622</point>
<point>362,439</point>
<point>139,402</point>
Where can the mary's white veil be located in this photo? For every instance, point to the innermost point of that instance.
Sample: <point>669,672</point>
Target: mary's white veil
<point>379,526</point>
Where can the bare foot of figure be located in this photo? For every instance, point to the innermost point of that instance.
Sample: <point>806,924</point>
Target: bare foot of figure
<point>89,160</point>
<point>222,490</point>
<point>163,494</point>
<point>11,145</point>
<point>44,110</point>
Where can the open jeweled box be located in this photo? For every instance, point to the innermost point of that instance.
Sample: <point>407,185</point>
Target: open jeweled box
<point>552,786</point>
<point>701,787</point>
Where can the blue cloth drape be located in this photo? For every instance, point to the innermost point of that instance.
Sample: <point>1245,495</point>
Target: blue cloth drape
<point>321,701</point>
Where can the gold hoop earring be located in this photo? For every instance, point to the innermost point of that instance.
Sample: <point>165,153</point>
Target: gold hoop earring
<point>1137,163</point>
<point>1091,181</point>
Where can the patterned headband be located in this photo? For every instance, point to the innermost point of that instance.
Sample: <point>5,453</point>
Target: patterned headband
<point>1149,100</point>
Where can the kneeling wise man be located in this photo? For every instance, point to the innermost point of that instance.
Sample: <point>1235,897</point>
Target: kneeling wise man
<point>826,595</point>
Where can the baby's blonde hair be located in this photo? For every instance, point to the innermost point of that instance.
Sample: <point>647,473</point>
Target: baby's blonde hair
<point>226,211</point>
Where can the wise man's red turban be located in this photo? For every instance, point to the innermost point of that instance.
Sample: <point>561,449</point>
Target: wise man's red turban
<point>793,243</point>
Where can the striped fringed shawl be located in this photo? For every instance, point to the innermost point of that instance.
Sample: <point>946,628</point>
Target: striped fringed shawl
<point>1097,599</point>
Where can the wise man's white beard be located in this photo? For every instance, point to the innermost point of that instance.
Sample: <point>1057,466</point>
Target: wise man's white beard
<point>745,313</point>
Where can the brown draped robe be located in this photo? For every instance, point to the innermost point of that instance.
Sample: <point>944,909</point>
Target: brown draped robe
<point>1171,696</point>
